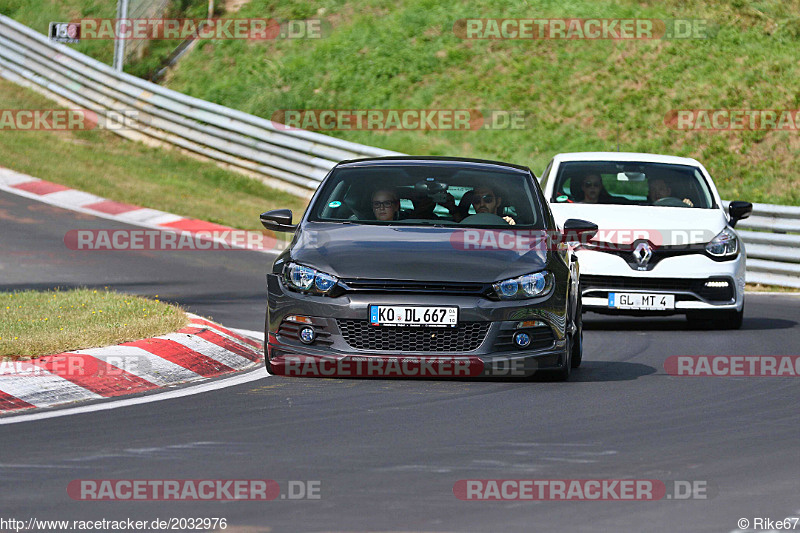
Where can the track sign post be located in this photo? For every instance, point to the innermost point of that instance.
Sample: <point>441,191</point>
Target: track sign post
<point>65,32</point>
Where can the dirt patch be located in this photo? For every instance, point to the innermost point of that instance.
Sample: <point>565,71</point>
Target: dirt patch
<point>232,6</point>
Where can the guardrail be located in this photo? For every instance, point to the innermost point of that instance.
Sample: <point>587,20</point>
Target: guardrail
<point>772,238</point>
<point>293,160</point>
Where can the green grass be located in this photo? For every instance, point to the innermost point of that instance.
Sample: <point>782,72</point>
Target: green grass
<point>579,94</point>
<point>102,163</point>
<point>34,323</point>
<point>758,287</point>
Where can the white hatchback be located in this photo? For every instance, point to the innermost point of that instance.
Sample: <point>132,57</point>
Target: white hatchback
<point>665,243</point>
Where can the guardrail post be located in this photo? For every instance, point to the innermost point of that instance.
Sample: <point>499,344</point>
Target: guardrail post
<point>119,43</point>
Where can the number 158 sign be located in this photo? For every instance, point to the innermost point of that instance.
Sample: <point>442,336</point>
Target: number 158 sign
<point>65,32</point>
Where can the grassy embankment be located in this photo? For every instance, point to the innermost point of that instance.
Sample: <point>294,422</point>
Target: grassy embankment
<point>34,323</point>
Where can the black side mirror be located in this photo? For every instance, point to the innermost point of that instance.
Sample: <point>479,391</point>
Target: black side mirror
<point>739,210</point>
<point>278,220</point>
<point>579,230</point>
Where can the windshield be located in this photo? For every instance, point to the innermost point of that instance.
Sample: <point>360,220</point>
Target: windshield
<point>434,194</point>
<point>608,182</point>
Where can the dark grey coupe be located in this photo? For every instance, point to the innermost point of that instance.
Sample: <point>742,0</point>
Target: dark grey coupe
<point>425,267</point>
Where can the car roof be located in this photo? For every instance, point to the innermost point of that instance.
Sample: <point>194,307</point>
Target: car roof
<point>457,161</point>
<point>625,156</point>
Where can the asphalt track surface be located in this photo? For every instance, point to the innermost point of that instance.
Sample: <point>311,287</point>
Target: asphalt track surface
<point>388,452</point>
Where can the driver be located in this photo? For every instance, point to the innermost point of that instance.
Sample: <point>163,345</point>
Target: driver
<point>484,200</point>
<point>658,189</point>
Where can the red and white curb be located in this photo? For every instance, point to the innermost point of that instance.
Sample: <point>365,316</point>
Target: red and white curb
<point>60,196</point>
<point>201,350</point>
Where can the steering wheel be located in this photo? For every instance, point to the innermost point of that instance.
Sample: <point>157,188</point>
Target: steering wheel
<point>485,219</point>
<point>670,201</point>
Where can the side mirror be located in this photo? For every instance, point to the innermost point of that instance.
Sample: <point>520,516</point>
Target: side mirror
<point>739,210</point>
<point>579,230</point>
<point>278,220</point>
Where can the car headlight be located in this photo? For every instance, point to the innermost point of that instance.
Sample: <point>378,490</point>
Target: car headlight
<point>307,279</point>
<point>527,286</point>
<point>723,245</point>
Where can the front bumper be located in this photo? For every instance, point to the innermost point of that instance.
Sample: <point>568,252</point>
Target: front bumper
<point>346,345</point>
<point>685,276</point>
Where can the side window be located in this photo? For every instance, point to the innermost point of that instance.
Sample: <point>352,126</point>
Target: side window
<point>705,192</point>
<point>334,208</point>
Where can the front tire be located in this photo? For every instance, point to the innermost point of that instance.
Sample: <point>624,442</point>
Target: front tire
<point>267,364</point>
<point>577,338</point>
<point>562,374</point>
<point>573,346</point>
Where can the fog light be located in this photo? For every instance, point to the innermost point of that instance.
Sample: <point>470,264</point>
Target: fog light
<point>716,284</point>
<point>522,339</point>
<point>307,335</point>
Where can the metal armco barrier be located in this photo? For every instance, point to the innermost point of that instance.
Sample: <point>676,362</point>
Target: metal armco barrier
<point>293,160</point>
<point>772,238</point>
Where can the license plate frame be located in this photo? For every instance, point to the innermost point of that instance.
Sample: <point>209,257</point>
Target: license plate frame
<point>641,301</point>
<point>439,316</point>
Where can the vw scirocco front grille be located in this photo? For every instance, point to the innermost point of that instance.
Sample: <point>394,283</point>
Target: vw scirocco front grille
<point>359,334</point>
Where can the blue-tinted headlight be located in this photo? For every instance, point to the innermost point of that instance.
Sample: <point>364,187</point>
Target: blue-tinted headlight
<point>534,284</point>
<point>308,279</point>
<point>324,282</point>
<point>527,286</point>
<point>301,277</point>
<point>509,287</point>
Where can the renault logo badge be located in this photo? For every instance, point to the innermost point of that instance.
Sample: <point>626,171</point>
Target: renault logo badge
<point>642,253</point>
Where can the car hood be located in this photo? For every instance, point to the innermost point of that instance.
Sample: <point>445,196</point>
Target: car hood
<point>408,253</point>
<point>665,226</point>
